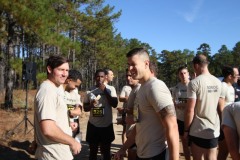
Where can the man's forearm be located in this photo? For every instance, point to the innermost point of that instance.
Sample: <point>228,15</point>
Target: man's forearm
<point>130,140</point>
<point>189,114</point>
<point>87,107</point>
<point>122,99</point>
<point>75,112</point>
<point>221,104</point>
<point>188,120</point>
<point>172,137</point>
<point>232,142</point>
<point>113,101</point>
<point>54,133</point>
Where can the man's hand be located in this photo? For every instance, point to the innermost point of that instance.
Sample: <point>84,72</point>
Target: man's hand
<point>119,155</point>
<point>129,120</point>
<point>120,110</point>
<point>75,112</point>
<point>75,147</point>
<point>73,126</point>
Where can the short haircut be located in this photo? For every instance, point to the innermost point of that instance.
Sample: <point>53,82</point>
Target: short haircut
<point>140,51</point>
<point>74,75</point>
<point>99,70</point>
<point>227,70</point>
<point>153,68</point>
<point>200,59</point>
<point>55,61</point>
<point>106,70</point>
<point>181,68</point>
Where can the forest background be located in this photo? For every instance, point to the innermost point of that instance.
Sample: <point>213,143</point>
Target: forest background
<point>84,32</point>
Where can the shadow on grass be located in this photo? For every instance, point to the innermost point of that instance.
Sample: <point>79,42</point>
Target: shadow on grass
<point>19,151</point>
<point>7,153</point>
<point>84,154</point>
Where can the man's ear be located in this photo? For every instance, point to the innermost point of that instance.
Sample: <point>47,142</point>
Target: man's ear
<point>67,81</point>
<point>147,63</point>
<point>195,66</point>
<point>49,69</point>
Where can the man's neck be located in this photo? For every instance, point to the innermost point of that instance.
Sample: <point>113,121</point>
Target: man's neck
<point>203,71</point>
<point>133,85</point>
<point>228,81</point>
<point>49,80</point>
<point>145,78</point>
<point>185,82</point>
<point>66,88</point>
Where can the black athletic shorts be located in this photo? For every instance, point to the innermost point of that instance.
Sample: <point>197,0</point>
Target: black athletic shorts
<point>204,143</point>
<point>161,156</point>
<point>99,134</point>
<point>180,127</point>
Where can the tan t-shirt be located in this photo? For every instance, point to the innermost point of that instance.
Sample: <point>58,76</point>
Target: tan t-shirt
<point>231,118</point>
<point>49,104</point>
<point>125,93</point>
<point>132,96</point>
<point>72,99</point>
<point>130,104</point>
<point>206,89</point>
<point>228,93</point>
<point>180,96</point>
<point>152,97</point>
<point>106,119</point>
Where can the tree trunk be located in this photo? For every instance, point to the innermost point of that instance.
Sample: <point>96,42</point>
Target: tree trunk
<point>9,89</point>
<point>2,75</point>
<point>9,70</point>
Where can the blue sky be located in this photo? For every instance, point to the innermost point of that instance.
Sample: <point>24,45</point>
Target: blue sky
<point>180,24</point>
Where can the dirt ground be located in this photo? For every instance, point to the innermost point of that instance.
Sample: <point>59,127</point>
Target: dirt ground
<point>16,131</point>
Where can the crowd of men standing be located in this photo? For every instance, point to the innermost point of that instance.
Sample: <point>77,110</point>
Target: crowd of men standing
<point>196,111</point>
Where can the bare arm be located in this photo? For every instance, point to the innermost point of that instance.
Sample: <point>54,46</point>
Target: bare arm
<point>123,99</point>
<point>76,111</point>
<point>129,142</point>
<point>113,101</point>
<point>221,104</point>
<point>88,106</point>
<point>189,113</point>
<point>231,137</point>
<point>168,116</point>
<point>54,133</point>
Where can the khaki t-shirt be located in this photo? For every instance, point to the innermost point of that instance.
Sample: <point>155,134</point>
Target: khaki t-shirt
<point>228,93</point>
<point>49,104</point>
<point>206,89</point>
<point>231,118</point>
<point>152,97</point>
<point>125,93</point>
<point>132,96</point>
<point>180,96</point>
<point>106,119</point>
<point>72,99</point>
<point>130,104</point>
